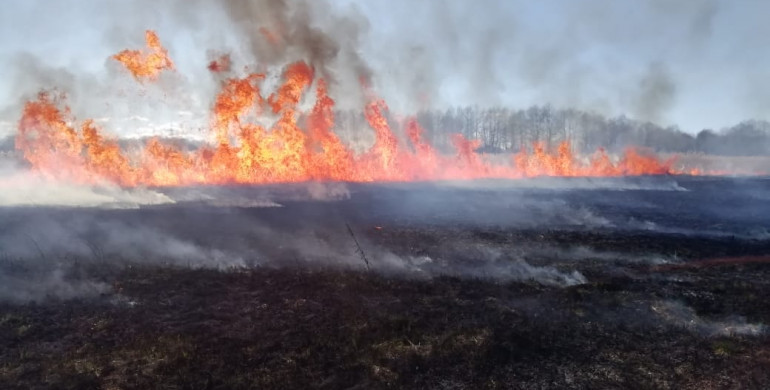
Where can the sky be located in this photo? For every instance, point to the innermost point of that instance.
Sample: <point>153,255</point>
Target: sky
<point>695,64</point>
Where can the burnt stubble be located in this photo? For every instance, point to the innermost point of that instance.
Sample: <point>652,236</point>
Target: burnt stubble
<point>619,283</point>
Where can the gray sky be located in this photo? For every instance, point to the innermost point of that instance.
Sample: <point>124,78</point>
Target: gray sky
<point>693,63</point>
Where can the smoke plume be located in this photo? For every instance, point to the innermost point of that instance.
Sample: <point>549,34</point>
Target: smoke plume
<point>616,59</point>
<point>656,94</point>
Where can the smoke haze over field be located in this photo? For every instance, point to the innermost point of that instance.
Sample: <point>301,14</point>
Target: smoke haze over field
<point>696,64</point>
<point>587,55</point>
<point>407,230</point>
<point>197,187</point>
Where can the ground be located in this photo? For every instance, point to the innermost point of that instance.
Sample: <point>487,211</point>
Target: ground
<point>555,303</point>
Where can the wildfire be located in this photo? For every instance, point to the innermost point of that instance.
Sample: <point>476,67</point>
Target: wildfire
<point>300,146</point>
<point>149,64</point>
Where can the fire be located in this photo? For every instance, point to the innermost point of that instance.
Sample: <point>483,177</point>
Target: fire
<point>146,65</point>
<point>299,146</point>
<point>221,64</point>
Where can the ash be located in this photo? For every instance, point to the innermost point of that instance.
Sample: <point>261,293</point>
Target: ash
<point>653,282</point>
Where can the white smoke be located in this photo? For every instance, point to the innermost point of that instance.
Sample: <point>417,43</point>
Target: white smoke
<point>38,192</point>
<point>327,191</point>
<point>680,315</point>
<point>488,263</point>
<point>38,282</point>
<point>106,240</point>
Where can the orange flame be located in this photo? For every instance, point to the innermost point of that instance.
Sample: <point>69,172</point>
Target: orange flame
<point>146,65</point>
<point>297,147</point>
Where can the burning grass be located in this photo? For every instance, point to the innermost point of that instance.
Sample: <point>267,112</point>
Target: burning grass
<point>298,146</point>
<point>723,165</point>
<point>207,283</point>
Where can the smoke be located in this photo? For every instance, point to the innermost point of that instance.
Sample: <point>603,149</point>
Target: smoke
<point>113,99</point>
<point>247,228</point>
<point>336,248</point>
<point>266,35</point>
<point>30,75</point>
<point>23,190</point>
<point>39,280</point>
<point>467,205</point>
<point>643,183</point>
<point>19,187</point>
<point>258,35</point>
<point>421,230</point>
<point>586,55</point>
<point>623,58</point>
<point>656,93</point>
<point>95,84</point>
<point>679,315</point>
<point>40,253</point>
<point>430,54</point>
<point>492,265</point>
<point>654,60</point>
<point>278,31</point>
<point>263,196</point>
<point>34,234</point>
<point>747,231</point>
<point>328,191</point>
<point>700,24</point>
<point>643,312</point>
<point>584,254</point>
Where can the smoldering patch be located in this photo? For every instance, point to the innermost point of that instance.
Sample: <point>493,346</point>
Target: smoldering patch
<point>679,315</point>
<point>44,279</point>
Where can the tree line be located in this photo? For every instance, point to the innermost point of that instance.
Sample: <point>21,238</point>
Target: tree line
<point>508,130</point>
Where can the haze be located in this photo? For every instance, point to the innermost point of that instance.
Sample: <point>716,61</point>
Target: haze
<point>695,64</point>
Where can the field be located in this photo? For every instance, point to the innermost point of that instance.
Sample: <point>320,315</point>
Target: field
<point>749,165</point>
<point>650,282</point>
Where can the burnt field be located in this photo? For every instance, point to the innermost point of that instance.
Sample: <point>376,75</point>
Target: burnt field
<point>650,282</point>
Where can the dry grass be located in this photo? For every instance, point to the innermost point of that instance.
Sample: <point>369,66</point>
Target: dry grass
<point>705,163</point>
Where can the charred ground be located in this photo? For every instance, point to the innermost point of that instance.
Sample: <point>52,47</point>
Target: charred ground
<point>477,291</point>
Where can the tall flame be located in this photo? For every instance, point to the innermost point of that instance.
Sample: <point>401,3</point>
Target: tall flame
<point>300,146</point>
